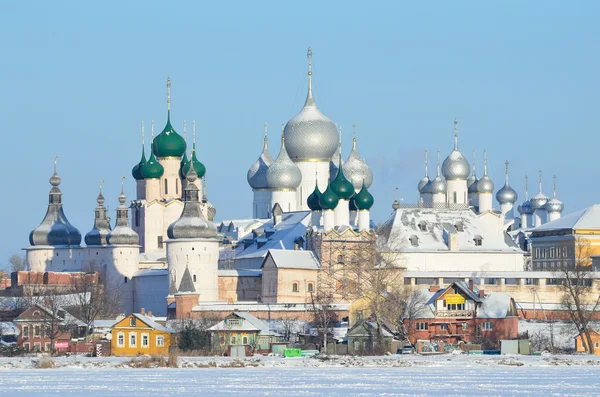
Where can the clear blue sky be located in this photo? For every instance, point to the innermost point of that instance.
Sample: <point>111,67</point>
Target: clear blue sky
<point>77,78</point>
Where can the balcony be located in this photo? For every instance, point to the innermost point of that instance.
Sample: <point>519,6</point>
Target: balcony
<point>454,313</point>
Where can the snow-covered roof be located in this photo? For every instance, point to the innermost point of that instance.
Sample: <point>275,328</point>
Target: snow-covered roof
<point>432,228</point>
<point>587,218</point>
<point>103,324</point>
<point>250,323</point>
<point>294,259</point>
<point>239,273</point>
<point>158,256</point>
<point>284,234</point>
<point>372,325</point>
<point>152,272</point>
<point>151,322</point>
<point>494,305</point>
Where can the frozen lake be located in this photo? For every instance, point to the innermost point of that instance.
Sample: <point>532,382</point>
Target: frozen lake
<point>455,377</point>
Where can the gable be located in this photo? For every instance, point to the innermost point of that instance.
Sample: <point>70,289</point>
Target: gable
<point>124,323</point>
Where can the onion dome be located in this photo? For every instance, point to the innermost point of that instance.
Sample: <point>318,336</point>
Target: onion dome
<point>335,160</point>
<point>191,223</point>
<point>355,169</point>
<point>55,229</point>
<point>97,236</point>
<point>211,211</point>
<point>525,207</point>
<point>184,158</point>
<point>472,180</point>
<point>328,200</point>
<point>395,205</point>
<point>539,200</point>
<point>341,186</point>
<point>506,195</point>
<point>283,174</point>
<point>136,172</point>
<point>363,199</point>
<point>152,169</point>
<point>455,166</point>
<point>423,182</point>
<point>554,204</point>
<point>257,174</point>
<point>485,184</point>
<point>122,234</point>
<point>169,143</point>
<point>198,166</point>
<point>310,135</point>
<point>437,184</point>
<point>313,199</point>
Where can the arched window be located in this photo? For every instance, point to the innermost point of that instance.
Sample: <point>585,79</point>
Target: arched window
<point>295,287</point>
<point>340,259</point>
<point>311,287</point>
<point>125,280</point>
<point>194,277</point>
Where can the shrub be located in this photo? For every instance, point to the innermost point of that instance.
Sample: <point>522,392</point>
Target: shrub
<point>44,363</point>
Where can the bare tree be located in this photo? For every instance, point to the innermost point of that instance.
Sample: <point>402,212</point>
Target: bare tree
<point>323,311</point>
<point>288,325</point>
<point>17,263</point>
<point>579,299</point>
<point>91,300</point>
<point>406,305</point>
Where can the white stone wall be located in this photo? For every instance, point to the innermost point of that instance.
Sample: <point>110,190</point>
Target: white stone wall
<point>170,183</point>
<point>364,220</point>
<point>285,198</point>
<point>152,189</point>
<point>485,202</point>
<point>310,171</point>
<point>261,206</point>
<point>150,292</point>
<point>201,256</point>
<point>460,188</point>
<point>342,213</point>
<point>55,259</point>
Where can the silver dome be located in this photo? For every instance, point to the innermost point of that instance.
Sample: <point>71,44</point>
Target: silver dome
<point>310,135</point>
<point>472,187</point>
<point>356,170</point>
<point>538,201</point>
<point>554,204</point>
<point>438,185</point>
<point>122,234</point>
<point>485,185</point>
<point>191,223</point>
<point>283,173</point>
<point>506,195</point>
<point>428,188</point>
<point>257,174</point>
<point>455,166</point>
<point>422,183</point>
<point>55,229</point>
<point>525,208</point>
<point>97,236</point>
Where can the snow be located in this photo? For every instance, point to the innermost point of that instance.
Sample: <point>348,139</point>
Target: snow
<point>446,375</point>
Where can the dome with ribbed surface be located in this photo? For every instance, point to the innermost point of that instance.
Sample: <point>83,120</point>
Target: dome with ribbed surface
<point>485,185</point>
<point>356,169</point>
<point>310,135</point>
<point>283,173</point>
<point>554,204</point>
<point>539,201</point>
<point>55,229</point>
<point>122,234</point>
<point>257,174</point>
<point>152,169</point>
<point>363,199</point>
<point>191,223</point>
<point>328,200</point>
<point>438,185</point>
<point>341,186</point>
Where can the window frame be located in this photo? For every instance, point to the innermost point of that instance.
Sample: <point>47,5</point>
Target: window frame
<point>145,338</point>
<point>119,342</point>
<point>487,326</point>
<point>160,340</point>
<point>422,326</point>
<point>132,336</point>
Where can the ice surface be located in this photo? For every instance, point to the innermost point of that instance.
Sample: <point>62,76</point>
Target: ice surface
<point>381,376</point>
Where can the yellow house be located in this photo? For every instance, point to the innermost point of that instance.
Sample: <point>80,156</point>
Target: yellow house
<point>139,334</point>
<point>581,341</point>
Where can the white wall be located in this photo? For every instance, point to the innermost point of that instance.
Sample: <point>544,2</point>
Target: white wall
<point>285,198</point>
<point>261,206</point>
<point>150,292</point>
<point>460,187</point>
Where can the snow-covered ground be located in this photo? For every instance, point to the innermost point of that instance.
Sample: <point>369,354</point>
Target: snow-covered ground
<point>447,375</point>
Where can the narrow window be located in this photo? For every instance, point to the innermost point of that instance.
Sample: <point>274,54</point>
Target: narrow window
<point>166,187</point>
<point>132,321</point>
<point>160,341</point>
<point>160,241</point>
<point>194,277</point>
<point>310,287</point>
<point>295,287</point>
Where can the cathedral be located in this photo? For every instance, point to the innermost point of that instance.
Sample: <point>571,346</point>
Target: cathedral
<point>310,210</point>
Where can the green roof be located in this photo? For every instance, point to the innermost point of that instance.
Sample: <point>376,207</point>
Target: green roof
<point>136,172</point>
<point>328,200</point>
<point>363,199</point>
<point>341,186</point>
<point>198,166</point>
<point>313,200</point>
<point>152,169</point>
<point>169,143</point>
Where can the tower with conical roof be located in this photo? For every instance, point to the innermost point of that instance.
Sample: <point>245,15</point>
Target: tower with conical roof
<point>455,170</point>
<point>55,242</point>
<point>311,141</point>
<point>192,244</point>
<point>257,179</point>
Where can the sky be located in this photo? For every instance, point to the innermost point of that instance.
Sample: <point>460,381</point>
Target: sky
<point>77,79</point>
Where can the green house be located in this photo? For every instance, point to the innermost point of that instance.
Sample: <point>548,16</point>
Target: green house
<point>242,328</point>
<point>362,338</point>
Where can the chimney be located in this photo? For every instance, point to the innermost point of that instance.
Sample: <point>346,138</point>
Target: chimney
<point>471,285</point>
<point>143,311</point>
<point>481,293</point>
<point>434,288</point>
<point>150,313</point>
<point>453,241</point>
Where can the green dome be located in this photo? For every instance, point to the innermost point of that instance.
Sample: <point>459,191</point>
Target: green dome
<point>182,164</point>
<point>198,166</point>
<point>169,143</point>
<point>152,169</point>
<point>328,199</point>
<point>137,169</point>
<point>363,199</point>
<point>313,200</point>
<point>341,186</point>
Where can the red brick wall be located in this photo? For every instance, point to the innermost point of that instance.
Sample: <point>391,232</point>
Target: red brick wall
<point>502,328</point>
